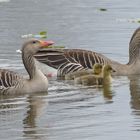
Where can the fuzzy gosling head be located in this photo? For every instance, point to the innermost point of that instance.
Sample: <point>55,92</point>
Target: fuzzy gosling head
<point>108,69</point>
<point>97,68</point>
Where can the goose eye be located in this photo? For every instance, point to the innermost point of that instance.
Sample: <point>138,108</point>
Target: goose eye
<point>34,42</point>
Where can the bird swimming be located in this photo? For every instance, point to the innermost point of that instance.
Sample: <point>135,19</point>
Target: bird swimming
<point>13,83</point>
<point>69,60</point>
<point>97,68</point>
<point>102,78</point>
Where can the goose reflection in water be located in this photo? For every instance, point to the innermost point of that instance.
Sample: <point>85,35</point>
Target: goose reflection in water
<point>135,100</point>
<point>135,94</point>
<point>35,110</point>
<point>108,92</point>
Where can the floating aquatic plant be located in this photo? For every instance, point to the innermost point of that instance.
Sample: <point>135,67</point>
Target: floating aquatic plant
<point>103,9</point>
<point>131,20</point>
<point>42,34</point>
<point>56,47</point>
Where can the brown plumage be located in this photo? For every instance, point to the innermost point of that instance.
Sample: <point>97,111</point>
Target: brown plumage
<point>70,60</point>
<point>13,83</point>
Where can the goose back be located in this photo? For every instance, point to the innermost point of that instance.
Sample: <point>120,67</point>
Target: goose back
<point>70,60</point>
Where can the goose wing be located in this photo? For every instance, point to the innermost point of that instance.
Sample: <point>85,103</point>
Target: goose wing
<point>8,79</point>
<point>70,60</point>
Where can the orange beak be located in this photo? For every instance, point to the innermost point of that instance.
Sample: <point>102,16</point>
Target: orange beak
<point>46,43</point>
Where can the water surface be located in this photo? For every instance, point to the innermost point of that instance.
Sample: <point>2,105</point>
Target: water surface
<point>68,111</point>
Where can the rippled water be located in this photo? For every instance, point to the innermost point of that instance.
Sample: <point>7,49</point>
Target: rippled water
<point>68,111</point>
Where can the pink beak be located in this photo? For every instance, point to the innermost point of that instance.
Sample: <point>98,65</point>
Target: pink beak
<point>46,43</point>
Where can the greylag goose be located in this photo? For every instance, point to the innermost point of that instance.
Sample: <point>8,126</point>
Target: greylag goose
<point>99,79</point>
<point>70,60</point>
<point>12,83</point>
<point>97,69</point>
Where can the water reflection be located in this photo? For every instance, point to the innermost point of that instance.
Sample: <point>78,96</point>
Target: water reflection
<point>135,93</point>
<point>34,110</point>
<point>135,99</point>
<point>11,105</point>
<point>10,102</point>
<point>108,92</point>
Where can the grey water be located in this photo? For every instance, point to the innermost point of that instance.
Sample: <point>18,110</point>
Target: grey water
<point>68,111</point>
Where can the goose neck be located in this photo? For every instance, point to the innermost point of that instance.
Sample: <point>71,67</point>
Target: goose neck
<point>106,77</point>
<point>29,63</point>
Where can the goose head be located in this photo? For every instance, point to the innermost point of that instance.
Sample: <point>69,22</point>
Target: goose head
<point>34,45</point>
<point>107,70</point>
<point>97,69</point>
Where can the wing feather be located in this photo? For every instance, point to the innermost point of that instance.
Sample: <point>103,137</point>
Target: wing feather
<point>8,78</point>
<point>69,60</point>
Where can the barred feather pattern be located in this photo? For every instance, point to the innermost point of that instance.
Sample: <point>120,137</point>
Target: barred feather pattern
<point>134,50</point>
<point>12,83</point>
<point>8,79</point>
<point>70,60</point>
<point>11,80</point>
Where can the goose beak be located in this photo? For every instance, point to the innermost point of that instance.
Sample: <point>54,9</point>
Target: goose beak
<point>45,44</point>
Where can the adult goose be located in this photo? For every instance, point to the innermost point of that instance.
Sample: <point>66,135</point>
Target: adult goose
<point>70,60</point>
<point>12,83</point>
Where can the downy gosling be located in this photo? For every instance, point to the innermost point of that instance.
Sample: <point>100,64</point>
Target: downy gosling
<point>102,78</point>
<point>96,69</point>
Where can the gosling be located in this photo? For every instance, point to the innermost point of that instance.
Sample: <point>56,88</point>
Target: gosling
<point>96,69</point>
<point>103,78</point>
<point>97,72</point>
